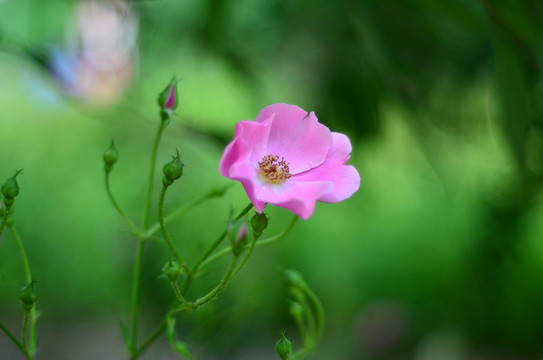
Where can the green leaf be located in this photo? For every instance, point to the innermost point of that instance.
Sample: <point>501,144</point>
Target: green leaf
<point>126,335</point>
<point>178,346</point>
<point>181,348</point>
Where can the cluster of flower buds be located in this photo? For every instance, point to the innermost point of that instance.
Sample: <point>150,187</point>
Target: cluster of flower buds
<point>172,170</point>
<point>10,190</point>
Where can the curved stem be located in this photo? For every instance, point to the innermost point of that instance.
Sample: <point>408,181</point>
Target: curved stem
<point>178,294</point>
<point>211,248</point>
<point>316,322</point>
<point>28,280</point>
<point>165,231</point>
<point>4,220</point>
<point>151,175</point>
<point>319,313</point>
<point>118,208</point>
<point>136,294</point>
<point>182,210</point>
<point>15,341</point>
<point>156,333</point>
<point>22,252</point>
<point>245,258</point>
<point>259,243</point>
<point>160,328</point>
<point>212,295</point>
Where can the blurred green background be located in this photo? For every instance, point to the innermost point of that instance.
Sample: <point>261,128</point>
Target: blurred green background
<point>438,256</point>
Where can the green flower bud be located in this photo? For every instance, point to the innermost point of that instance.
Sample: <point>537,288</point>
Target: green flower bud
<point>293,278</point>
<point>110,157</point>
<point>10,189</point>
<point>172,270</point>
<point>284,347</point>
<point>238,233</point>
<point>173,170</point>
<point>296,310</point>
<point>28,296</point>
<point>259,222</point>
<point>168,99</point>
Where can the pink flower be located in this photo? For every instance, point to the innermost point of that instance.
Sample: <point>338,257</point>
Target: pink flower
<point>287,158</point>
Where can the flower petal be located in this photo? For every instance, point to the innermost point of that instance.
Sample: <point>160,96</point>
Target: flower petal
<point>296,135</point>
<point>345,178</point>
<point>298,197</point>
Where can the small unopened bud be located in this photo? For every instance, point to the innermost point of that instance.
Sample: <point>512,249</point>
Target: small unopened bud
<point>293,278</point>
<point>173,170</point>
<point>28,296</point>
<point>110,157</point>
<point>172,270</point>
<point>238,233</point>
<point>10,189</point>
<point>284,347</point>
<point>168,99</point>
<point>259,222</point>
<point>296,310</point>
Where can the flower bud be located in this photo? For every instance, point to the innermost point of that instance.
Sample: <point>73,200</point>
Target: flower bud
<point>167,99</point>
<point>259,222</point>
<point>284,347</point>
<point>172,270</point>
<point>10,189</point>
<point>293,278</point>
<point>173,170</point>
<point>28,296</point>
<point>296,310</point>
<point>238,233</point>
<point>110,157</point>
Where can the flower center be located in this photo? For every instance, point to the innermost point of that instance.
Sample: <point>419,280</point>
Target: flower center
<point>273,170</point>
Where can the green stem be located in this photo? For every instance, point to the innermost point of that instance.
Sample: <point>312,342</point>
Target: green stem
<point>319,313</point>
<point>152,338</point>
<point>315,320</point>
<point>22,252</point>
<point>259,243</point>
<point>118,208</point>
<point>25,328</point>
<point>165,233</point>
<point>213,294</point>
<point>4,220</point>
<point>136,294</point>
<point>151,175</point>
<point>15,341</point>
<point>178,294</point>
<point>32,333</point>
<point>182,210</point>
<point>28,280</point>
<point>208,252</point>
<point>245,258</point>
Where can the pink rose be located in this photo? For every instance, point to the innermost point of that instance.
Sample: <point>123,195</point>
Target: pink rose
<point>287,158</point>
